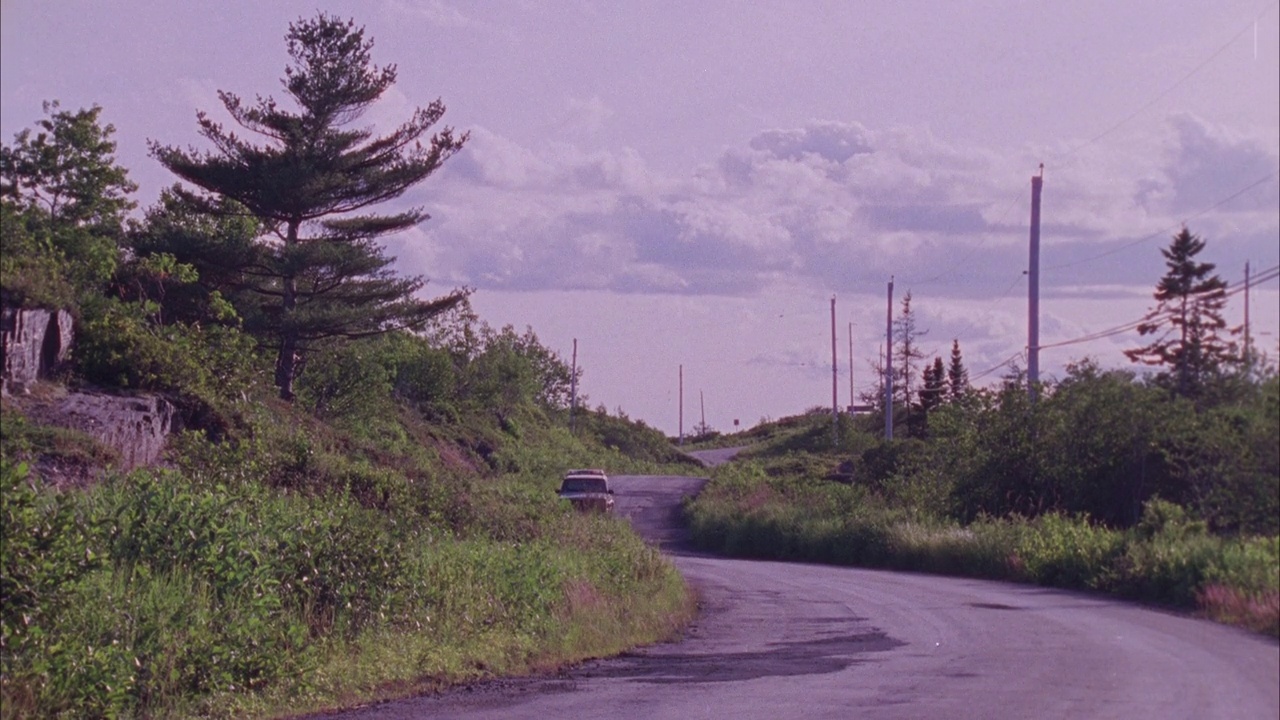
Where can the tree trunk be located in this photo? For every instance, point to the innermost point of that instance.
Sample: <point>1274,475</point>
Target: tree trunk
<point>286,361</point>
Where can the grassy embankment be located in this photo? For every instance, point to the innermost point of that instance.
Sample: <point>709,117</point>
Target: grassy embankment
<point>316,565</point>
<point>778,503</point>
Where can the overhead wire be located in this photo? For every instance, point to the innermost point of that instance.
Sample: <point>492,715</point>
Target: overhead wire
<point>1167,230</point>
<point>1263,276</point>
<point>1165,93</point>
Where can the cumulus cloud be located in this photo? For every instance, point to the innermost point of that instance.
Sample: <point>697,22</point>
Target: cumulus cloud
<point>829,204</point>
<point>836,142</point>
<point>1205,165</point>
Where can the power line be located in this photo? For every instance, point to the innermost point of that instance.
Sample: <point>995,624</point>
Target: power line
<point>1165,231</point>
<point>994,368</point>
<point>1270,273</point>
<point>1164,93</point>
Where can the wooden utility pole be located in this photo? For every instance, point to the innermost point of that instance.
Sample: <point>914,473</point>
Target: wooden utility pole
<point>888,366</point>
<point>851,402</point>
<point>573,389</point>
<point>702,402</point>
<point>1248,349</point>
<point>682,405</point>
<point>835,377</point>
<point>1033,289</point>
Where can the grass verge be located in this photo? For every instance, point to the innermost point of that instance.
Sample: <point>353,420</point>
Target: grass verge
<point>1166,559</point>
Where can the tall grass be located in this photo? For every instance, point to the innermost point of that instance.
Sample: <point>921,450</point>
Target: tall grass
<point>250,586</point>
<point>1166,559</point>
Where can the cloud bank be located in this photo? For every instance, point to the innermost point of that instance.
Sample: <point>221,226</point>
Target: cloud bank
<point>835,205</point>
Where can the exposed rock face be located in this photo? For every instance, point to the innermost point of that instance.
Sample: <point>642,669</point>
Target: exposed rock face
<point>34,342</point>
<point>136,427</point>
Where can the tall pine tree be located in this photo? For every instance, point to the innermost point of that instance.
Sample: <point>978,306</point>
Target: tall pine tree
<point>1187,320</point>
<point>907,354</point>
<point>311,184</point>
<point>957,374</point>
<point>934,392</point>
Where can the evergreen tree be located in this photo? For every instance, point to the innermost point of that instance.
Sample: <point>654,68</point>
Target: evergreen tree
<point>321,272</point>
<point>220,247</point>
<point>934,391</point>
<point>1188,320</point>
<point>957,374</point>
<point>907,354</point>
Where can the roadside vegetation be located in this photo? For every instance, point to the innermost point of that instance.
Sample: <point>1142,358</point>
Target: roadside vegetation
<point>1162,487</point>
<point>1126,490</point>
<point>361,502</point>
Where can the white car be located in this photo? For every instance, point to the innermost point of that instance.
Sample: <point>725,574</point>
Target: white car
<point>587,490</point>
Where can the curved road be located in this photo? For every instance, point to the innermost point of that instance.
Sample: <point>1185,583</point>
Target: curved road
<point>780,640</point>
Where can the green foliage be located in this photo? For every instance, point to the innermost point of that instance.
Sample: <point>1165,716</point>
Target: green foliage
<point>1167,558</point>
<point>632,438</point>
<point>310,185</point>
<point>217,242</point>
<point>1102,443</point>
<point>402,514</point>
<point>33,272</point>
<point>347,380</point>
<point>1065,552</point>
<point>45,553</point>
<point>1188,318</point>
<point>67,169</point>
<point>119,344</point>
<point>64,203</point>
<point>425,376</point>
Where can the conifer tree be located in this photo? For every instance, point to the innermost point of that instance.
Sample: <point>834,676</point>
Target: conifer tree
<point>957,374</point>
<point>310,185</point>
<point>907,353</point>
<point>1188,320</point>
<point>934,389</point>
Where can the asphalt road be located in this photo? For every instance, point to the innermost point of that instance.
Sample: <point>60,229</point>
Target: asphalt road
<point>780,640</point>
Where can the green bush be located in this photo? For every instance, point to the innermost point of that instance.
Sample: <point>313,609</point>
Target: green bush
<point>45,552</point>
<point>1066,552</point>
<point>1169,557</point>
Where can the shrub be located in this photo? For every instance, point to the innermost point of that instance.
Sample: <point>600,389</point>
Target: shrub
<point>45,551</point>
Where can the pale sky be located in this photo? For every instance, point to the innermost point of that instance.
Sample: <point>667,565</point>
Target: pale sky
<point>689,183</point>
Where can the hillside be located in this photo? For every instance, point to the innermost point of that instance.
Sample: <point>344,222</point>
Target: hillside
<point>381,522</point>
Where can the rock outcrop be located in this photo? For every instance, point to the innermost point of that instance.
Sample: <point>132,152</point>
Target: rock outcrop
<point>137,427</point>
<point>34,342</point>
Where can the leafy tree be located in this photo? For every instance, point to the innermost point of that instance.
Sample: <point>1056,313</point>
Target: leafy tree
<point>957,374</point>
<point>322,275</point>
<point>68,170</point>
<point>1188,320</point>
<point>32,271</point>
<point>1098,435</point>
<point>65,200</point>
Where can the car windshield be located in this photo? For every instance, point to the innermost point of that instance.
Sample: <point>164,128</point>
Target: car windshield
<point>584,484</point>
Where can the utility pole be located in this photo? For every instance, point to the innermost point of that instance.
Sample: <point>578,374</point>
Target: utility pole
<point>682,406</point>
<point>573,388</point>
<point>701,401</point>
<point>1248,349</point>
<point>835,376</point>
<point>888,366</point>
<point>851,402</point>
<point>1033,289</point>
